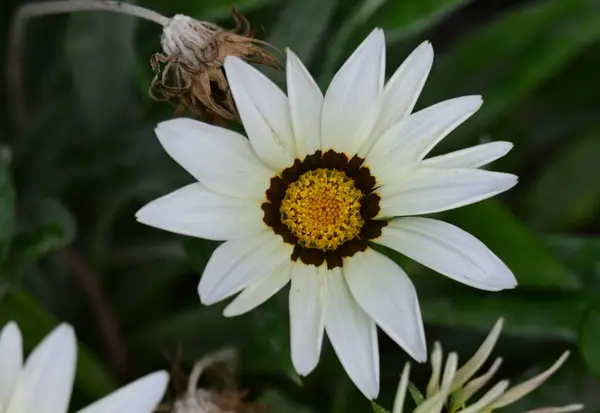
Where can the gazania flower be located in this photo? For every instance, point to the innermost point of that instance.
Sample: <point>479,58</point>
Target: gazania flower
<point>318,182</point>
<point>452,390</point>
<point>44,382</point>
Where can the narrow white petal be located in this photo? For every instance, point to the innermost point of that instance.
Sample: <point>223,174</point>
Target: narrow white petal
<point>265,113</point>
<point>473,157</point>
<point>484,402</point>
<point>306,316</point>
<point>523,389</point>
<point>46,381</point>
<point>429,190</point>
<point>561,409</point>
<point>11,360</point>
<point>353,335</point>
<point>306,102</point>
<point>219,158</point>
<point>197,211</point>
<point>141,396</point>
<point>259,291</point>
<point>401,392</point>
<point>407,142</point>
<point>436,368</point>
<point>466,372</point>
<point>352,101</point>
<point>404,87</point>
<point>388,296</point>
<point>448,250</point>
<point>234,264</point>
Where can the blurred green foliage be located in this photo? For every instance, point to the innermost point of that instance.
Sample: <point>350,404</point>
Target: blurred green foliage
<point>86,158</point>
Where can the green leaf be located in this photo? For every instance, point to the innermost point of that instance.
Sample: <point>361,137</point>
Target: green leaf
<point>536,316</point>
<point>271,338</point>
<point>401,19</point>
<point>525,253</point>
<point>415,394</point>
<point>35,323</point>
<point>262,335</point>
<point>580,254</point>
<point>398,19</point>
<point>101,54</point>
<point>589,340</point>
<point>301,26</point>
<point>49,226</point>
<point>276,402</point>
<point>575,170</point>
<point>7,208</point>
<point>198,252</point>
<point>377,408</point>
<point>510,57</point>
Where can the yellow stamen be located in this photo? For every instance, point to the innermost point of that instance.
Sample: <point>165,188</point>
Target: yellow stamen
<point>322,209</point>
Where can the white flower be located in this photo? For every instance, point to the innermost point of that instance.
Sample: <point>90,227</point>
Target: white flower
<point>44,382</point>
<point>318,181</point>
<point>457,386</point>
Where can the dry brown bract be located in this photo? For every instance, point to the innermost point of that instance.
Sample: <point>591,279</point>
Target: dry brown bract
<point>189,73</point>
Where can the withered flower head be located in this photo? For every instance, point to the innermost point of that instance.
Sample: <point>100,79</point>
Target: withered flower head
<point>189,73</point>
<point>226,399</point>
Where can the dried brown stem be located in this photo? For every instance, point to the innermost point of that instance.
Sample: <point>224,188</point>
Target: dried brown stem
<point>105,317</point>
<point>26,12</point>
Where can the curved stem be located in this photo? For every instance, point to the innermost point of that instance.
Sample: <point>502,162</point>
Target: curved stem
<point>28,11</point>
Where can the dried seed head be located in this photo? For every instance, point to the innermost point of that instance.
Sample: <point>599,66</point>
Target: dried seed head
<point>189,40</point>
<point>189,72</point>
<point>214,400</point>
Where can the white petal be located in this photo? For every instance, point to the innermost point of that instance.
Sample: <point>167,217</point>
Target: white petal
<point>46,381</point>
<point>259,291</point>
<point>523,389</point>
<point>219,158</point>
<point>352,101</point>
<point>429,190</point>
<point>141,396</point>
<point>401,391</point>
<point>473,157</point>
<point>265,113</point>
<point>388,296</point>
<point>448,250</point>
<point>407,142</point>
<point>402,90</point>
<point>11,360</point>
<point>353,335</point>
<point>234,264</point>
<point>197,211</point>
<point>306,316</point>
<point>306,102</point>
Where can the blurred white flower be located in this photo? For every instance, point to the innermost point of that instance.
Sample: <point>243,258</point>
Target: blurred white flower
<point>454,392</point>
<point>320,179</point>
<point>44,382</point>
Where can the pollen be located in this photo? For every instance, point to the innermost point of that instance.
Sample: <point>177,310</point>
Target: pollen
<point>322,209</point>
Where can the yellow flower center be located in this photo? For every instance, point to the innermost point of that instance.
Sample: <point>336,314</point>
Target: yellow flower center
<point>322,209</point>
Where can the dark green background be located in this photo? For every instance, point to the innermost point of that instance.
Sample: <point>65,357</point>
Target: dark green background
<point>86,159</point>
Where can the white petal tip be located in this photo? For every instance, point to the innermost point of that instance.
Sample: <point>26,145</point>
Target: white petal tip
<point>65,331</point>
<point>475,101</point>
<point>426,48</point>
<point>11,328</point>
<point>304,369</point>
<point>231,312</point>
<point>158,379</point>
